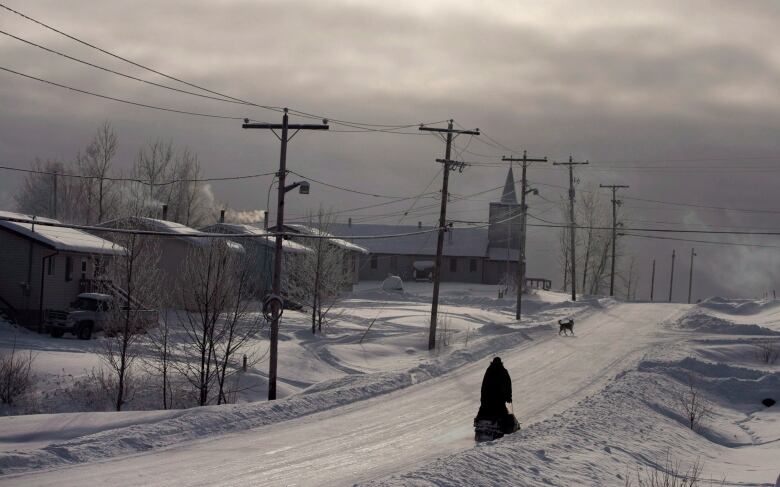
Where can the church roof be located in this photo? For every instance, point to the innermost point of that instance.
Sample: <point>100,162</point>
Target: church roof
<point>463,242</point>
<point>509,196</point>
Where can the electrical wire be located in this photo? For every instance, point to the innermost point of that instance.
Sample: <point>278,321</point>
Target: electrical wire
<point>361,126</point>
<point>710,242</point>
<point>342,188</point>
<point>108,70</point>
<point>121,100</point>
<point>136,180</point>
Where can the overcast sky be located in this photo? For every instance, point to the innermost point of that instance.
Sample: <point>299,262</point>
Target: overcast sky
<point>679,100</point>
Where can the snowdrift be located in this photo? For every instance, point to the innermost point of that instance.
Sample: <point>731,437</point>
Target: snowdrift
<point>705,323</point>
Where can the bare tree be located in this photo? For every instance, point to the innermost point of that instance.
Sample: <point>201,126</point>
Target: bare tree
<point>96,163</point>
<point>152,165</point>
<point>591,215</point>
<point>767,350</point>
<point>50,195</point>
<point>318,278</point>
<point>16,377</point>
<point>133,279</point>
<point>670,473</point>
<point>188,199</point>
<point>162,348</point>
<point>693,404</point>
<point>215,301</point>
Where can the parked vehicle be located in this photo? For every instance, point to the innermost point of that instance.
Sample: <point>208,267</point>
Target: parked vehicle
<point>90,313</point>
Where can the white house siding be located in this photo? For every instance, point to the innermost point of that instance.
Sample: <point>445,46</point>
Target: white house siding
<point>16,268</point>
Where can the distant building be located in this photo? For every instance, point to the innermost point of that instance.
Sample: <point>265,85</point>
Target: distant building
<point>173,250</point>
<point>45,267</point>
<point>262,248</point>
<point>351,253</point>
<point>487,254</point>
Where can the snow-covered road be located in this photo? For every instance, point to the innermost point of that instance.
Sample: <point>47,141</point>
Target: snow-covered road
<point>394,432</point>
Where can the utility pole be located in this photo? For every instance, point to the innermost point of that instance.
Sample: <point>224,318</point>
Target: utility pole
<point>615,203</point>
<point>571,165</point>
<point>652,282</point>
<point>524,209</point>
<point>671,278</point>
<point>54,196</point>
<point>278,305</point>
<point>449,165</point>
<point>690,276</point>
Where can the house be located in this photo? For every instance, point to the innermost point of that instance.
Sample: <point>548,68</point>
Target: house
<point>45,267</point>
<point>173,250</point>
<point>486,254</point>
<point>350,252</point>
<point>261,248</point>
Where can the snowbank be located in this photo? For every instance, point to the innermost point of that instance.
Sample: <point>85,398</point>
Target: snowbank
<point>705,323</point>
<point>739,306</point>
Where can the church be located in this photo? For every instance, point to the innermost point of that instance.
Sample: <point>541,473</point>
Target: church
<point>483,254</point>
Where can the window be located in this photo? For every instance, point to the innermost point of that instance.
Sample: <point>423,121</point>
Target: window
<point>394,263</point>
<point>83,268</point>
<point>453,264</point>
<point>68,269</point>
<point>473,265</point>
<point>50,268</point>
<point>373,261</point>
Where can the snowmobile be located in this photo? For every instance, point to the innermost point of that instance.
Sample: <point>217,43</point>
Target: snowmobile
<point>489,430</point>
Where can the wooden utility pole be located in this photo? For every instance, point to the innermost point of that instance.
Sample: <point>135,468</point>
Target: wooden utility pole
<point>54,196</point>
<point>572,224</point>
<point>449,165</point>
<point>277,305</point>
<point>690,276</point>
<point>524,209</point>
<point>671,278</point>
<point>652,282</point>
<point>615,203</point>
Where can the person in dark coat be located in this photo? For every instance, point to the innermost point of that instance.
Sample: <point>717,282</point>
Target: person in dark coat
<point>496,392</point>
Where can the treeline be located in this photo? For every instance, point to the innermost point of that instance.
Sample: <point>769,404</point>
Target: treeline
<point>594,249</point>
<point>169,177</point>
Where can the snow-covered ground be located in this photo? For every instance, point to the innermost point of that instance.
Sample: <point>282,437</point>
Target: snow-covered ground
<point>374,406</point>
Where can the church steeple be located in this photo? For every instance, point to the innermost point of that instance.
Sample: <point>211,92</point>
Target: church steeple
<point>509,196</point>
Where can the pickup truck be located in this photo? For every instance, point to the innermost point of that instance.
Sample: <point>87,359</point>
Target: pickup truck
<point>89,313</point>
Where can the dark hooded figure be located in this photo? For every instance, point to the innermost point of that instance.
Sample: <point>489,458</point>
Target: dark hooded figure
<point>496,391</point>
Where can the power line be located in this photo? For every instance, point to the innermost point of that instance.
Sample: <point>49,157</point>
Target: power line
<point>108,70</point>
<point>116,56</point>
<point>342,188</point>
<point>135,180</point>
<point>735,244</point>
<point>365,127</point>
<point>129,102</point>
<point>693,205</point>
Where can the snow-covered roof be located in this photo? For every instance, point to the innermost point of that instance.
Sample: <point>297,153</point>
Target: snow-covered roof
<point>306,230</point>
<point>458,242</point>
<point>183,232</point>
<point>58,238</point>
<point>266,239</point>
